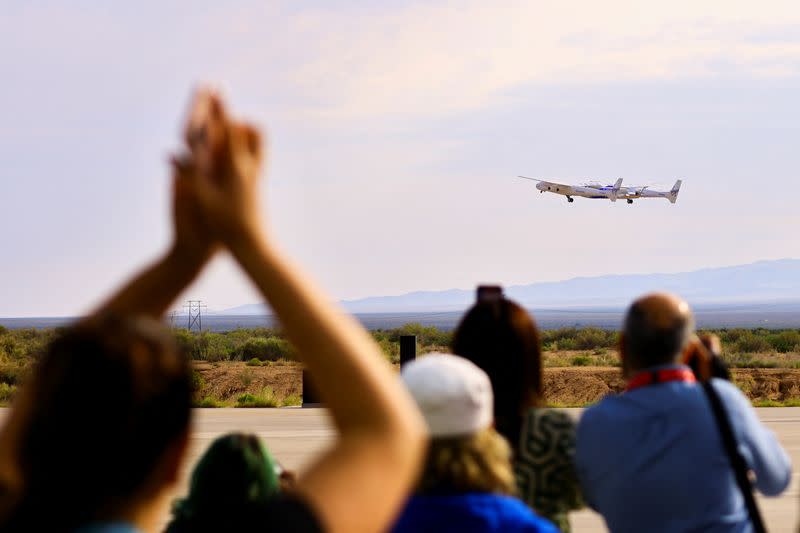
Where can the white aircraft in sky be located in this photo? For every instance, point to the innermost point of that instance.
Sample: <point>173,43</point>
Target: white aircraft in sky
<point>605,192</point>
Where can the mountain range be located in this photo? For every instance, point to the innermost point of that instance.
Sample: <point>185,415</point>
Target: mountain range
<point>760,282</point>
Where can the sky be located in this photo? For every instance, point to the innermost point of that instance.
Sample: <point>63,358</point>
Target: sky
<point>395,131</point>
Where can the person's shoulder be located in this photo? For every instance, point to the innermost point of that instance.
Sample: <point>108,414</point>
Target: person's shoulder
<point>515,515</point>
<point>285,513</point>
<point>732,397</point>
<point>600,412</point>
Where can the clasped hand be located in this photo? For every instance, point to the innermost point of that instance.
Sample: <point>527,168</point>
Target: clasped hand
<point>215,180</point>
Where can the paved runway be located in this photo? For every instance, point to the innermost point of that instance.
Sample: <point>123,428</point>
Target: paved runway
<point>295,435</point>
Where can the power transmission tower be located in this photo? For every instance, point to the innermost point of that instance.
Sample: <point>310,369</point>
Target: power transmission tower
<point>194,310</point>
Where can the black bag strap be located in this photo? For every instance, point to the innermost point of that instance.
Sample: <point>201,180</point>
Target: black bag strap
<point>737,461</point>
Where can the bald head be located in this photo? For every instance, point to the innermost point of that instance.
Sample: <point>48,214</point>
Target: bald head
<point>657,329</point>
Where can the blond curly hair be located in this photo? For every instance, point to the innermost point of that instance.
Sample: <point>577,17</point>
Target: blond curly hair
<point>480,462</point>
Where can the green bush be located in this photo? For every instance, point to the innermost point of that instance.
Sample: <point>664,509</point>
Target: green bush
<point>426,335</point>
<point>246,377</point>
<point>785,341</point>
<point>590,338</point>
<point>7,392</point>
<point>209,401</point>
<point>265,349</point>
<point>254,362</point>
<point>198,383</point>
<point>12,373</point>
<point>581,360</point>
<point>264,399</point>
<point>749,342</point>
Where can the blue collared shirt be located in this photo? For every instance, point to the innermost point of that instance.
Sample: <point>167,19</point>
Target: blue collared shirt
<point>652,459</point>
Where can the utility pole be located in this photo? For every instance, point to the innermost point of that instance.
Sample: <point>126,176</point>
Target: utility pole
<point>194,310</point>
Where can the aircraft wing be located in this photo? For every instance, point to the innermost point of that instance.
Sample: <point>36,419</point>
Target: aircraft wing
<point>543,181</point>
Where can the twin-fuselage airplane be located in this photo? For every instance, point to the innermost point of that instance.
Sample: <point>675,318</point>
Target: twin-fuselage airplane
<point>605,192</point>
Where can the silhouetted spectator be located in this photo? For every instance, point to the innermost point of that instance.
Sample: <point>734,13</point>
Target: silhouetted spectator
<point>102,427</point>
<point>653,459</point>
<point>502,339</point>
<point>234,477</point>
<point>467,483</point>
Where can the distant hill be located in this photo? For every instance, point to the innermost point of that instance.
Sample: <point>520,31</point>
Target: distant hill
<point>764,281</point>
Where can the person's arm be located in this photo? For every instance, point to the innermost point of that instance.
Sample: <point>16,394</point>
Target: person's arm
<point>757,444</point>
<point>360,484</point>
<point>151,291</point>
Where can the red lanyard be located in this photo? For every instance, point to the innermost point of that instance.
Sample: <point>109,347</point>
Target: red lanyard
<point>665,375</point>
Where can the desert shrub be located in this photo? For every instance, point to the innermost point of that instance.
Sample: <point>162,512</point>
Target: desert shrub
<point>581,360</point>
<point>590,338</point>
<point>746,361</point>
<point>578,339</point>
<point>12,372</point>
<point>216,347</point>
<point>391,350</point>
<point>785,341</point>
<point>566,343</point>
<point>7,392</point>
<point>750,342</point>
<point>209,401</point>
<point>552,338</point>
<point>246,377</point>
<point>266,398</point>
<point>254,362</point>
<point>265,349</point>
<point>426,335</point>
<point>198,383</point>
<point>292,400</point>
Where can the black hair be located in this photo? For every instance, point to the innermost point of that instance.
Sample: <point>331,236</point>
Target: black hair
<point>501,338</point>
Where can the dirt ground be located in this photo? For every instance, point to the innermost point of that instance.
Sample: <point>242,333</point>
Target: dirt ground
<point>567,386</point>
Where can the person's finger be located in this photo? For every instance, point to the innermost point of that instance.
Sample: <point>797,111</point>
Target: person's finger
<point>251,138</point>
<point>245,149</point>
<point>220,147</point>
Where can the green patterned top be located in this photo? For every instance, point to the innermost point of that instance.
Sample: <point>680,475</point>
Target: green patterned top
<point>544,465</point>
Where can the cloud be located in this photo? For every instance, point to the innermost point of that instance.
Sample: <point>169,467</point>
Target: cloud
<point>451,57</point>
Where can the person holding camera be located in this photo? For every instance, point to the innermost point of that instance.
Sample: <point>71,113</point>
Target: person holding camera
<point>672,453</point>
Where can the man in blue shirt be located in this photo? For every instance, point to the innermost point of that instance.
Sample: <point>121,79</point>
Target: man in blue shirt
<point>652,459</point>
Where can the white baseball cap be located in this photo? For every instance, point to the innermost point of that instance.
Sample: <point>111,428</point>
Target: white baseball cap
<point>454,395</point>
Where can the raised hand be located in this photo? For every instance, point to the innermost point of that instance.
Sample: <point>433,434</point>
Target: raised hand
<point>193,239</point>
<point>227,158</point>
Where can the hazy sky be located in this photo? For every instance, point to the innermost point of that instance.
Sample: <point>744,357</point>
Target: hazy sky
<point>396,130</point>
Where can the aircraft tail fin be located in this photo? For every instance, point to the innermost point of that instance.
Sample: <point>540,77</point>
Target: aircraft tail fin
<point>673,194</point>
<point>615,190</point>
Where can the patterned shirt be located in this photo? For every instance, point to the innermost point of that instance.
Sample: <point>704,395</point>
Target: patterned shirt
<point>544,465</point>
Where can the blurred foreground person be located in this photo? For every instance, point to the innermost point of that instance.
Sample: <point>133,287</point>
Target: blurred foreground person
<point>500,337</point>
<point>655,458</point>
<point>236,475</point>
<point>468,483</point>
<point>94,441</point>
<point>105,427</point>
